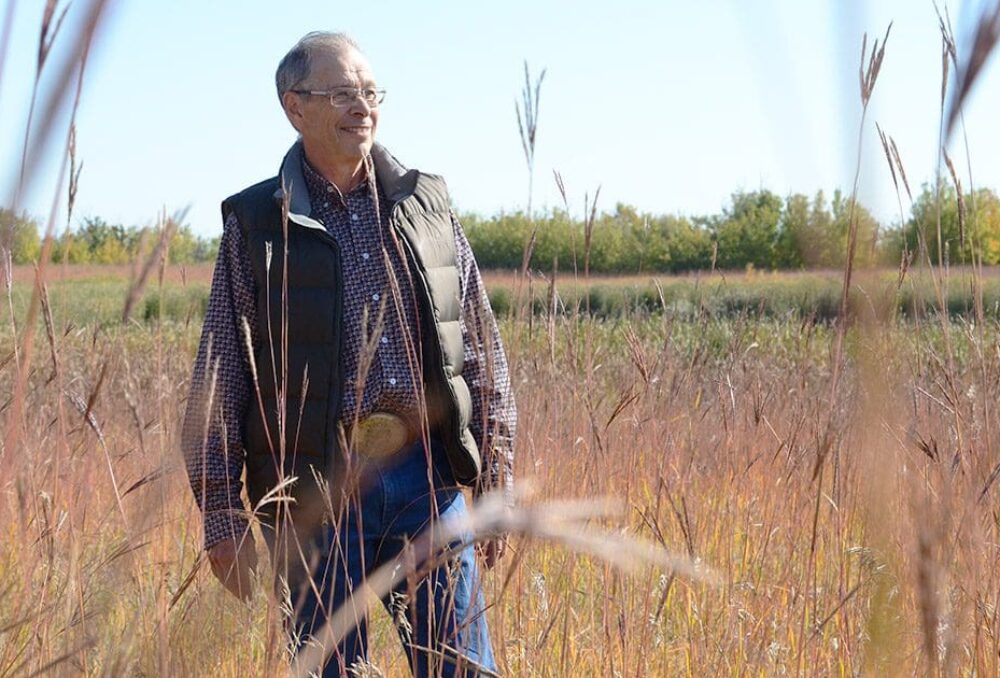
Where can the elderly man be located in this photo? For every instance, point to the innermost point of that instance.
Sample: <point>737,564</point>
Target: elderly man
<point>351,364</point>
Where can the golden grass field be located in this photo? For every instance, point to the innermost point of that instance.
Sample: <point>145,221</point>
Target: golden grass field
<point>851,528</point>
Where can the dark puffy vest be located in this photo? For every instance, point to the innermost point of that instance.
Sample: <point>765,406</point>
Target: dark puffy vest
<point>307,439</point>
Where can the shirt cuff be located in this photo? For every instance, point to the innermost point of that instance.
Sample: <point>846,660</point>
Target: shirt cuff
<point>222,525</point>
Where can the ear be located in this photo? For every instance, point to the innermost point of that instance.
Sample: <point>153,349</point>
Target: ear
<point>292,103</point>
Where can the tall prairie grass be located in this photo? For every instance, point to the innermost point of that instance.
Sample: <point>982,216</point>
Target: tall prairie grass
<point>705,428</point>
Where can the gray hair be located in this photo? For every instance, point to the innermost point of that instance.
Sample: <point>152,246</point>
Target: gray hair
<point>295,66</point>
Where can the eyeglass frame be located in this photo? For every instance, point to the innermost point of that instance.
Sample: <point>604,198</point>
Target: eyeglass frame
<point>358,92</point>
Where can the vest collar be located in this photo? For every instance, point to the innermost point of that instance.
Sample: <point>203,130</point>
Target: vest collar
<point>397,182</point>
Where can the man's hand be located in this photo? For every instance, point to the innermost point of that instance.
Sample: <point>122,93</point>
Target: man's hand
<point>233,563</point>
<point>492,551</point>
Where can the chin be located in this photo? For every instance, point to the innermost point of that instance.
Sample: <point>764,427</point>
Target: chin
<point>356,150</point>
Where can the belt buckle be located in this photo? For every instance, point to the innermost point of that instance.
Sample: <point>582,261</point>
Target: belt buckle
<point>379,435</point>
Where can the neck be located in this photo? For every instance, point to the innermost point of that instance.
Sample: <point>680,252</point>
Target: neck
<point>344,174</point>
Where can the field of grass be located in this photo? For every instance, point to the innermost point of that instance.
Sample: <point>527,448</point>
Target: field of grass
<point>850,521</point>
<point>98,292</point>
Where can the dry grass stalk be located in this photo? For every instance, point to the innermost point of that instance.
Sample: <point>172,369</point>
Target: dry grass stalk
<point>527,126</point>
<point>74,186</point>
<point>78,48</point>
<point>898,173</point>
<point>890,161</point>
<point>48,33</point>
<point>527,123</point>
<point>561,186</point>
<point>8,281</point>
<point>10,441</point>
<point>867,79</point>
<point>529,249</point>
<point>74,176</point>
<point>553,308</point>
<point>590,212</point>
<point>8,22</point>
<point>949,53</point>
<point>868,76</point>
<point>960,198</point>
<point>986,35</point>
<point>157,258</point>
<point>900,167</point>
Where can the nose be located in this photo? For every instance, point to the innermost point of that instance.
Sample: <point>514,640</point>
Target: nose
<point>360,106</point>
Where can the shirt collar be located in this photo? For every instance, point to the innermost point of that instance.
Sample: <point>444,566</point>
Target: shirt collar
<point>320,186</point>
<point>394,180</point>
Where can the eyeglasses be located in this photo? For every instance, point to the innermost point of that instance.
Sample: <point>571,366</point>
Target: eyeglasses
<point>342,97</point>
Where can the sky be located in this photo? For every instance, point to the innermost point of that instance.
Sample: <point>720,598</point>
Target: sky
<point>669,106</point>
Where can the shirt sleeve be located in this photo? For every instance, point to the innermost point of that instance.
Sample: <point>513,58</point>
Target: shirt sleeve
<point>494,414</point>
<point>211,436</point>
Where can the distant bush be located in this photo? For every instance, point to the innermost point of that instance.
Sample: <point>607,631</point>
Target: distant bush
<point>802,296</point>
<point>19,236</point>
<point>175,303</point>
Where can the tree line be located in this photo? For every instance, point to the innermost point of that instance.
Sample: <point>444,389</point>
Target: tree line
<point>95,241</point>
<point>756,229</point>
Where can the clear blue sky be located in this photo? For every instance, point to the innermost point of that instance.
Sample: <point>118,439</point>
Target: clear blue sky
<point>670,106</point>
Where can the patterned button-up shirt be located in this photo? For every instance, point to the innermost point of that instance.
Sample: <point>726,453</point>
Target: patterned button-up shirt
<point>212,436</point>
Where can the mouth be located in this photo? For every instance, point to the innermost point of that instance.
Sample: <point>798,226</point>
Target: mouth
<point>360,130</point>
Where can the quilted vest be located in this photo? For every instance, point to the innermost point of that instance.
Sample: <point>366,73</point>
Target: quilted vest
<point>307,384</point>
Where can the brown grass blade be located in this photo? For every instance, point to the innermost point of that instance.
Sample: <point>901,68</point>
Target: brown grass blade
<point>986,35</point>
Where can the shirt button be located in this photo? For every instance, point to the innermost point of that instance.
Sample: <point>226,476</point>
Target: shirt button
<point>354,217</point>
<point>375,297</point>
<point>392,381</point>
<point>329,188</point>
<point>385,340</point>
<point>326,205</point>
<point>364,255</point>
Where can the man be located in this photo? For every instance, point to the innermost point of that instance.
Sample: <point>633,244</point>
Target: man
<point>351,364</point>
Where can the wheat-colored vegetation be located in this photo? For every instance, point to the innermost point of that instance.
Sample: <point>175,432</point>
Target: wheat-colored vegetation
<point>708,429</point>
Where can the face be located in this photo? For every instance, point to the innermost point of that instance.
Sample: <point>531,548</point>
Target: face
<point>338,135</point>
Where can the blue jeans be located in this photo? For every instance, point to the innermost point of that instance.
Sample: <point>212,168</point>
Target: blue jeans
<point>440,617</point>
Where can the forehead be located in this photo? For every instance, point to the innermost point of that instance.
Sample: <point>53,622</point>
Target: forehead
<point>340,67</point>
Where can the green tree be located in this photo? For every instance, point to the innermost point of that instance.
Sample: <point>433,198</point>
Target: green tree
<point>866,250</point>
<point>100,242</point>
<point>498,241</point>
<point>981,227</point>
<point>183,245</point>
<point>19,236</point>
<point>748,230</point>
<point>814,234</point>
<point>793,232</point>
<point>207,249</point>
<point>689,247</point>
<point>819,247</point>
<point>627,232</point>
<point>984,207</point>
